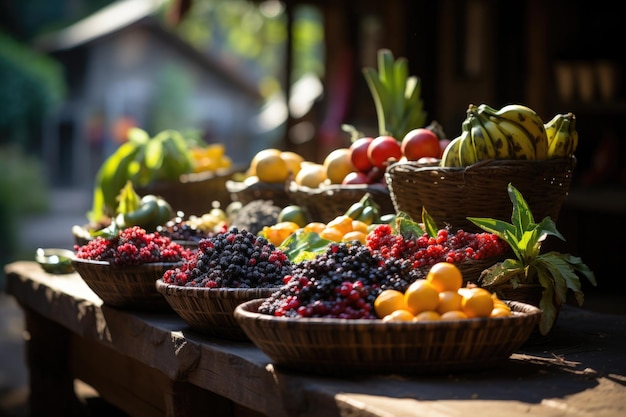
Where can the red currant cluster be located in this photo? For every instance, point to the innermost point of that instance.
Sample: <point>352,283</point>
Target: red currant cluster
<point>133,246</point>
<point>445,247</point>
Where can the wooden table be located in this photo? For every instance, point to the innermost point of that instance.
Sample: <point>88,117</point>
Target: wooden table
<point>154,365</point>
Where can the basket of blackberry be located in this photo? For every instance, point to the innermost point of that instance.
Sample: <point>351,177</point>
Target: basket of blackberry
<point>325,320</point>
<point>226,270</point>
<point>122,268</point>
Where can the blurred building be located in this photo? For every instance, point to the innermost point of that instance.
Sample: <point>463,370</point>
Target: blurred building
<point>124,67</point>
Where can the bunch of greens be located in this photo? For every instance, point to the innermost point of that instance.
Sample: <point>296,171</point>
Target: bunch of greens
<point>555,272</point>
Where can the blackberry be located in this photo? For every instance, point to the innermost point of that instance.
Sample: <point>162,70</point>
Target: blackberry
<point>180,229</point>
<point>341,282</point>
<point>233,259</point>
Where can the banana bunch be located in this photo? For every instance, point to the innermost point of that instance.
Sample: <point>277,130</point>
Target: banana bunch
<point>562,136</point>
<point>397,96</point>
<point>513,132</point>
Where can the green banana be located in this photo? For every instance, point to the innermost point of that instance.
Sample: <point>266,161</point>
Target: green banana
<point>450,157</point>
<point>528,119</point>
<point>521,144</point>
<point>355,210</point>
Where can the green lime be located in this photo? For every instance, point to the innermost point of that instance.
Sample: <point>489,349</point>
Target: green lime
<point>295,214</point>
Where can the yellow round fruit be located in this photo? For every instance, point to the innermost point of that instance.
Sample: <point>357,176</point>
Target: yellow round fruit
<point>315,227</point>
<point>477,302</point>
<point>338,165</point>
<point>449,301</point>
<point>294,162</point>
<point>311,175</point>
<point>355,235</point>
<point>269,166</point>
<point>500,312</point>
<point>399,315</point>
<point>389,301</point>
<point>454,315</point>
<point>331,233</point>
<point>342,223</point>
<point>421,296</point>
<point>445,276</point>
<point>427,316</point>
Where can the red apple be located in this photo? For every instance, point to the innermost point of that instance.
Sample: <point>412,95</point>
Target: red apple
<point>356,177</point>
<point>384,150</point>
<point>419,143</point>
<point>358,154</point>
<point>443,143</point>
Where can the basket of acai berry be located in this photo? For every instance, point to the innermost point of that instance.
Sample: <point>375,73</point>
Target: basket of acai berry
<point>226,270</point>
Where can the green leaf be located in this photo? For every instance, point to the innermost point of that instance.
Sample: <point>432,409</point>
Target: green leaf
<point>521,218</point>
<point>138,136</point>
<point>495,226</point>
<point>501,273</point>
<point>154,154</point>
<point>129,200</point>
<point>429,223</point>
<point>407,227</point>
<point>302,245</point>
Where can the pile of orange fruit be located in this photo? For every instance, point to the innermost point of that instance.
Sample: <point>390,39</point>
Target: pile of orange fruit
<point>439,296</point>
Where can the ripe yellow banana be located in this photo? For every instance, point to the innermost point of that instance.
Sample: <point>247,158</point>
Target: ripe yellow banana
<point>529,120</point>
<point>498,139</point>
<point>520,142</point>
<point>450,157</point>
<point>562,143</point>
<point>467,151</point>
<point>481,139</point>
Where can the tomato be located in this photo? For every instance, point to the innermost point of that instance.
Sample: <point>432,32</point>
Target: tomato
<point>358,154</point>
<point>419,143</point>
<point>356,177</point>
<point>384,150</point>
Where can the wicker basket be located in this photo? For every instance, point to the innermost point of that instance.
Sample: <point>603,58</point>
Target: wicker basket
<point>327,202</point>
<point>336,346</point>
<point>210,310</point>
<point>127,287</point>
<point>245,193</point>
<point>450,195</point>
<point>194,193</point>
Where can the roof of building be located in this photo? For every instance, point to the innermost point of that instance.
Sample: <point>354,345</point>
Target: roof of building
<point>126,13</point>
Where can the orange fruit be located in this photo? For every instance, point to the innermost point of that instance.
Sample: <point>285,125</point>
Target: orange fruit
<point>354,235</point>
<point>293,160</point>
<point>269,166</point>
<point>360,226</point>
<point>316,227</point>
<point>421,296</point>
<point>454,315</point>
<point>449,301</point>
<point>477,302</point>
<point>389,301</point>
<point>399,315</point>
<point>427,316</point>
<point>331,233</point>
<point>500,312</point>
<point>445,276</point>
<point>338,164</point>
<point>342,223</point>
<point>311,175</point>
<point>277,233</point>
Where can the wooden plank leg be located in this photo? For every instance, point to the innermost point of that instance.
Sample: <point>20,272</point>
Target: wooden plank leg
<point>51,382</point>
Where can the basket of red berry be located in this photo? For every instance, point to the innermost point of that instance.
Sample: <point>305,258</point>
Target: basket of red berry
<point>122,268</point>
<point>226,270</point>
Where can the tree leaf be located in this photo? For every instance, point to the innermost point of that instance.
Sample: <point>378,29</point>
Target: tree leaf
<point>521,218</point>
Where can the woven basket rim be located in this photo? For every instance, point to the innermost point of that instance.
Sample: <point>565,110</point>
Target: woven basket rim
<point>203,292</point>
<point>246,311</point>
<point>142,265</point>
<point>485,163</point>
<point>240,186</point>
<point>295,187</point>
